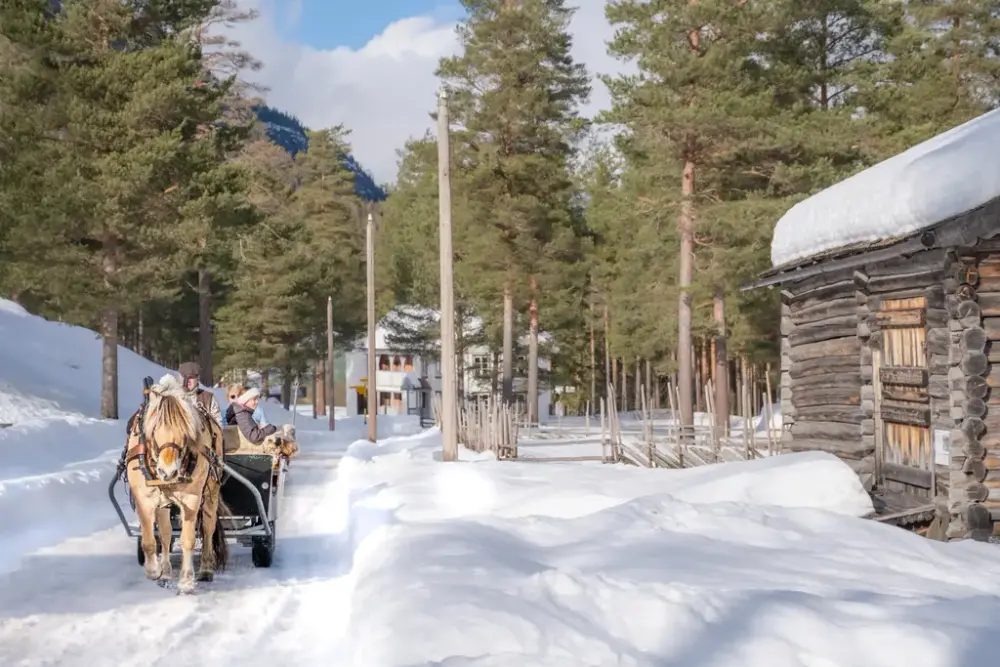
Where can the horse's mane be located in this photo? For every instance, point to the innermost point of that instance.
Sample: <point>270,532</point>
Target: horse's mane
<point>170,411</point>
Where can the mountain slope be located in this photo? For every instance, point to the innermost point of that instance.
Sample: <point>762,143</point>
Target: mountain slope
<point>286,131</point>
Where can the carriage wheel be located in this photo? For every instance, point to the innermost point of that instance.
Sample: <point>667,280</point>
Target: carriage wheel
<point>262,550</point>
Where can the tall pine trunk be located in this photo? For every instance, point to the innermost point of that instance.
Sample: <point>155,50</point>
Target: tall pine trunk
<point>615,382</point>
<point>287,400</point>
<point>638,384</point>
<point>205,341</point>
<point>653,379</point>
<point>109,331</point>
<point>685,224</point>
<point>494,377</point>
<point>109,364</point>
<point>593,362</point>
<point>685,362</point>
<point>721,374</point>
<point>533,355</point>
<point>608,377</point>
<point>460,353</point>
<point>624,386</point>
<point>140,346</point>
<point>508,346</point>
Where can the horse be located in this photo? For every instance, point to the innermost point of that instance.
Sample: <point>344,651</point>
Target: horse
<point>173,457</point>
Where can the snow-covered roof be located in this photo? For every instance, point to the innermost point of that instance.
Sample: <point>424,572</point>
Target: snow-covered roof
<point>948,175</point>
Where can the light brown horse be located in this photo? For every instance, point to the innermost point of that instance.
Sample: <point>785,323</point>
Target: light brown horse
<point>173,457</point>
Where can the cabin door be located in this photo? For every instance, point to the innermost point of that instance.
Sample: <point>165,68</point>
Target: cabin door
<point>902,395</point>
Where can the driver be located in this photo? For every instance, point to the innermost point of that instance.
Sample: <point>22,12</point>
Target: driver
<point>190,371</point>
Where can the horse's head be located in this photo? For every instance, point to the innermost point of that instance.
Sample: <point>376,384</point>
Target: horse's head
<point>171,427</point>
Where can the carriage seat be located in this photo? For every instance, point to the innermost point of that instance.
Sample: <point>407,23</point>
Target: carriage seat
<point>234,442</point>
<point>231,439</point>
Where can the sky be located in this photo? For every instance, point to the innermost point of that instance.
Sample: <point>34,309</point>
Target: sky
<point>369,64</point>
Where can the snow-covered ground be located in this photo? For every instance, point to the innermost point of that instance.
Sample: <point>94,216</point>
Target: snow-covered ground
<point>388,557</point>
<point>735,565</point>
<point>56,455</point>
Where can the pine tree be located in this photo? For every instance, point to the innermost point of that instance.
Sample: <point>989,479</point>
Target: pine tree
<point>333,218</point>
<point>123,118</point>
<point>515,91</point>
<point>693,108</point>
<point>258,327</point>
<point>942,69</point>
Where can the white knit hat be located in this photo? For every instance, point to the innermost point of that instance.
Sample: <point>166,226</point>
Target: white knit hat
<point>249,394</point>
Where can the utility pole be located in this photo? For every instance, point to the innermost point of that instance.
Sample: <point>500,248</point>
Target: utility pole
<point>372,390</point>
<point>329,359</point>
<point>449,398</point>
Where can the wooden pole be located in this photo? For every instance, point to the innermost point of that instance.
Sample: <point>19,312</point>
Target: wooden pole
<point>328,375</point>
<point>372,384</point>
<point>448,389</point>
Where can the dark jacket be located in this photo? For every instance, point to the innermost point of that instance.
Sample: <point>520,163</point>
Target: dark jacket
<point>243,417</point>
<point>231,415</point>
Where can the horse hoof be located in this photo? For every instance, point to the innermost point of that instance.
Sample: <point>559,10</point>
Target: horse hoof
<point>206,575</point>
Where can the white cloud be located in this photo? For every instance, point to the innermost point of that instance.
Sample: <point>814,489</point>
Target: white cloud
<point>385,90</point>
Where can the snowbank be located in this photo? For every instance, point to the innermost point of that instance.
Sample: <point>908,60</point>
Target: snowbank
<point>945,176</point>
<point>56,455</point>
<point>734,565</point>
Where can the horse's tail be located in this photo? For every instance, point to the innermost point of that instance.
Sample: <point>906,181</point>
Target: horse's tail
<point>220,549</point>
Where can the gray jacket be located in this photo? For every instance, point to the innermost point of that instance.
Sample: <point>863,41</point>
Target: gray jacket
<point>248,427</point>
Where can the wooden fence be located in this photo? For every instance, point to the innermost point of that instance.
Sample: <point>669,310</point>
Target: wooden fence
<point>657,439</point>
<point>486,426</point>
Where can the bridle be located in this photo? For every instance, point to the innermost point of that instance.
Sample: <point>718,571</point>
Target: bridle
<point>149,446</point>
<point>182,450</point>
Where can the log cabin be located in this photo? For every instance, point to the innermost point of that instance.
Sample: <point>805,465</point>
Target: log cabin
<point>890,330</point>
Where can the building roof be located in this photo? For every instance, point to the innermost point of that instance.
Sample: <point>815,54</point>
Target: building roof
<point>939,179</point>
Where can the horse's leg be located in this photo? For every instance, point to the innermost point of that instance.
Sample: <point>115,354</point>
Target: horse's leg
<point>146,500</point>
<point>209,514</point>
<point>166,533</point>
<point>146,512</point>
<point>189,515</point>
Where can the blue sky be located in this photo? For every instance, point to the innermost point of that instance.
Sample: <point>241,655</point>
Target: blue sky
<point>326,24</point>
<point>370,64</point>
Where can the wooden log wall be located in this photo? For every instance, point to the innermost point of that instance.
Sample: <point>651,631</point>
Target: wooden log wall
<point>832,327</point>
<point>974,304</point>
<point>821,371</point>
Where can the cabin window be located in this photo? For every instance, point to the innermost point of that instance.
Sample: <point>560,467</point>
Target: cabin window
<point>408,363</point>
<point>396,364</point>
<point>383,362</point>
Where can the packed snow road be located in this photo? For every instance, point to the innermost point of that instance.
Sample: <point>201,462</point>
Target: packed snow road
<point>87,602</point>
